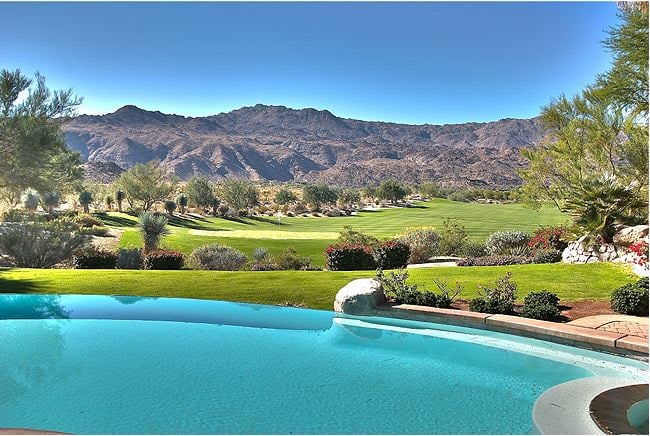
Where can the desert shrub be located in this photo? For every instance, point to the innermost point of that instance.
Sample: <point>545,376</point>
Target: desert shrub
<point>264,266</point>
<point>39,244</point>
<point>170,206</point>
<point>349,257</point>
<point>95,231</point>
<point>260,254</point>
<point>546,256</point>
<point>87,220</point>
<point>519,250</point>
<point>499,299</point>
<point>394,286</point>
<point>546,238</point>
<point>391,254</point>
<point>493,261</point>
<point>453,238</point>
<point>153,228</point>
<point>94,258</point>
<point>541,305</point>
<point>474,249</point>
<point>504,242</point>
<point>163,259</point>
<point>289,259</point>
<point>217,257</point>
<point>19,216</point>
<point>424,243</point>
<point>350,236</point>
<point>129,258</point>
<point>631,299</point>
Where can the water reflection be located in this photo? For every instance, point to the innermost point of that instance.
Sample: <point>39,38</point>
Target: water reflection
<point>130,300</point>
<point>32,307</point>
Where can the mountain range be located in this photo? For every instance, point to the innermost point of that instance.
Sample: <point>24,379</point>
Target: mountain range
<point>281,144</point>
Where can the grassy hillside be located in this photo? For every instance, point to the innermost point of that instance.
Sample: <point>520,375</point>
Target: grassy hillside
<point>315,289</point>
<point>310,236</point>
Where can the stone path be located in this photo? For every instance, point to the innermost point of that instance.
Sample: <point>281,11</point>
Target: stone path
<point>622,324</point>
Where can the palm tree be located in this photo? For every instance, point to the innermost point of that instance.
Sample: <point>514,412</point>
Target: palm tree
<point>119,198</point>
<point>85,198</point>
<point>181,200</point>
<point>170,207</point>
<point>153,228</point>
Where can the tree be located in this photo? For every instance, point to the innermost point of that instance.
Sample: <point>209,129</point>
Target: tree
<point>593,163</point>
<point>391,190</point>
<point>119,198</point>
<point>108,200</point>
<point>146,184</point>
<point>181,200</point>
<point>200,192</point>
<point>85,198</point>
<point>170,207</point>
<point>240,194</point>
<point>319,194</point>
<point>34,154</point>
<point>153,228</point>
<point>349,197</point>
<point>370,193</point>
<point>50,201</point>
<point>285,196</point>
<point>30,200</point>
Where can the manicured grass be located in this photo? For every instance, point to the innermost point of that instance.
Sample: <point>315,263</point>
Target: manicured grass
<point>314,289</point>
<point>480,220</point>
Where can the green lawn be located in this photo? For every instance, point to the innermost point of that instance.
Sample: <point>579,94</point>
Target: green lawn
<point>310,236</point>
<point>315,289</point>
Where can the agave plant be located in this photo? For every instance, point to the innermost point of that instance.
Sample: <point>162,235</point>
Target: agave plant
<point>152,227</point>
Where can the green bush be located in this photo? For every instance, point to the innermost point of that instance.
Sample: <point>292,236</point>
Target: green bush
<point>95,231</point>
<point>39,244</point>
<point>93,258</point>
<point>350,236</point>
<point>129,258</point>
<point>453,238</point>
<point>394,286</point>
<point>474,249</point>
<point>391,254</point>
<point>546,256</point>
<point>424,243</point>
<point>163,259</point>
<point>506,241</point>
<point>86,220</point>
<point>541,305</point>
<point>499,299</point>
<point>349,257</point>
<point>631,299</point>
<point>290,260</point>
<point>217,257</point>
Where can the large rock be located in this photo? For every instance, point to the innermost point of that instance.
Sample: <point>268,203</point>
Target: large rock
<point>631,235</point>
<point>359,297</point>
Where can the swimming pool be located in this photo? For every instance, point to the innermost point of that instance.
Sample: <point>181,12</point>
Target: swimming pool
<point>99,364</point>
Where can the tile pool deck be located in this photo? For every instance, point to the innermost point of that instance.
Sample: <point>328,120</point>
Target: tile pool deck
<point>622,324</point>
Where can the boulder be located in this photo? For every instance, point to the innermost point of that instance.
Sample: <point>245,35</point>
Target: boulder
<point>631,235</point>
<point>359,297</point>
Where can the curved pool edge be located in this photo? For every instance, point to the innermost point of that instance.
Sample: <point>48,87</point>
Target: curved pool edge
<point>364,297</point>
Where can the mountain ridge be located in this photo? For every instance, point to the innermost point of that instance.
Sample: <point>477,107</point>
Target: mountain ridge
<point>272,142</point>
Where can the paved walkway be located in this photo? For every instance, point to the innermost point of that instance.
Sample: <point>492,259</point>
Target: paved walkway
<point>623,324</point>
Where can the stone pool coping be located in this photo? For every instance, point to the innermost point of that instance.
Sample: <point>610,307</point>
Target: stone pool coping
<point>366,298</point>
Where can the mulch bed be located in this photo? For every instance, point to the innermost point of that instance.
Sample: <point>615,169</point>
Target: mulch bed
<point>570,309</point>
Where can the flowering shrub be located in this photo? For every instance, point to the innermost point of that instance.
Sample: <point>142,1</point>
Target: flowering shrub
<point>163,259</point>
<point>546,238</point>
<point>94,258</point>
<point>349,257</point>
<point>640,249</point>
<point>391,254</point>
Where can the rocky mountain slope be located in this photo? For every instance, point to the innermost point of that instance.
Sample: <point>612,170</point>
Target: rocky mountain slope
<point>277,143</point>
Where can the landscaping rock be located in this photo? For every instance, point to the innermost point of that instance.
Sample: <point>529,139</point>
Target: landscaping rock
<point>631,235</point>
<point>359,297</point>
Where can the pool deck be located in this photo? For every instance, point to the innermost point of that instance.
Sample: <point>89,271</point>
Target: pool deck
<point>622,324</point>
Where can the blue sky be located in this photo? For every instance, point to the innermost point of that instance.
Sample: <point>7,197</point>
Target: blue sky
<point>405,62</point>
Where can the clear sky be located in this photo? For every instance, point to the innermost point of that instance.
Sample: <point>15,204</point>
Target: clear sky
<point>405,62</point>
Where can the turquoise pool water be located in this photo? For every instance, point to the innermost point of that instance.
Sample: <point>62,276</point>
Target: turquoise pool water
<point>97,364</point>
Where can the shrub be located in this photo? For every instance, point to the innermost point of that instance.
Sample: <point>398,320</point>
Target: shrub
<point>546,238</point>
<point>19,216</point>
<point>217,257</point>
<point>351,236</point>
<point>493,261</point>
<point>129,258</point>
<point>474,249</point>
<point>260,254</point>
<point>170,206</point>
<point>348,257</point>
<point>453,238</point>
<point>541,305</point>
<point>424,243</point>
<point>499,299</point>
<point>95,231</point>
<point>391,254</point>
<point>264,266</point>
<point>153,228</point>
<point>546,256</point>
<point>39,244</point>
<point>94,258</point>
<point>395,286</point>
<point>631,299</point>
<point>289,259</point>
<point>504,242</point>
<point>163,259</point>
<point>87,220</point>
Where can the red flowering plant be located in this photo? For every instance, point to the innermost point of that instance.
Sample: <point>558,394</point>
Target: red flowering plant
<point>640,249</point>
<point>547,238</point>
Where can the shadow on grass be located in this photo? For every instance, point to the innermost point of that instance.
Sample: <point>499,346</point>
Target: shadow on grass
<point>21,286</point>
<point>268,220</point>
<point>115,221</point>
